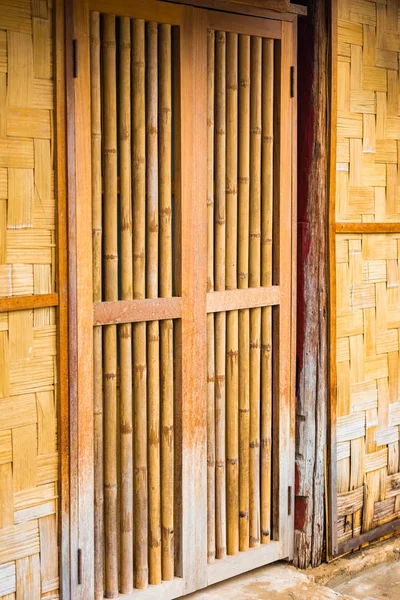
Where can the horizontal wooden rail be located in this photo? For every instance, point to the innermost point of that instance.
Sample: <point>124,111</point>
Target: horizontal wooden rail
<point>236,24</point>
<point>369,536</point>
<point>367,227</point>
<point>11,303</point>
<point>137,311</point>
<point>246,298</point>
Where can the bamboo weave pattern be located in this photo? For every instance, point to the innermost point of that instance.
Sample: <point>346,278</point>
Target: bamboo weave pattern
<point>28,391</point>
<point>368,302</point>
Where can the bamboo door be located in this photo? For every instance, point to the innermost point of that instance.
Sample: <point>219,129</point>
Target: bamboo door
<point>183,133</point>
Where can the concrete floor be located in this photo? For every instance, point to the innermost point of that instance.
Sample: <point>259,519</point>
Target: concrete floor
<point>370,574</point>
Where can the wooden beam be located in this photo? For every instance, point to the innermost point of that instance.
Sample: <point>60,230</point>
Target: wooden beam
<point>373,535</point>
<point>331,500</point>
<point>312,343</point>
<point>367,227</point>
<point>236,24</point>
<point>245,298</point>
<point>254,8</point>
<point>28,302</point>
<point>137,311</point>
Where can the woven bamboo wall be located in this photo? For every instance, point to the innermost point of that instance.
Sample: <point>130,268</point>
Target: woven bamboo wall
<point>368,275</point>
<point>28,426</point>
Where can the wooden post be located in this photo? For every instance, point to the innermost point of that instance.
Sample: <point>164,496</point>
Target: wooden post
<point>97,297</point>
<point>210,287</point>
<point>312,341</point>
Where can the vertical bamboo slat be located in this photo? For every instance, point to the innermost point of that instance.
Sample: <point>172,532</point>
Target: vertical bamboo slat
<point>110,256</point>
<point>97,297</point>
<point>243,278</point>
<point>153,330</point>
<point>166,327</point>
<point>125,330</point>
<point>210,287</point>
<point>139,290</point>
<point>254,281</point>
<point>232,350</point>
<point>219,283</point>
<point>266,280</point>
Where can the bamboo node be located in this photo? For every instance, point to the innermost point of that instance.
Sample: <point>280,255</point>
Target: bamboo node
<point>110,486</point>
<point>152,130</point>
<point>141,369</point>
<point>255,444</point>
<point>166,211</point>
<point>256,130</point>
<point>125,428</point>
<point>139,470</point>
<point>125,45</point>
<point>255,235</point>
<point>266,347</point>
<point>244,83</point>
<point>221,37</point>
<point>220,464</point>
<point>167,531</point>
<point>232,461</point>
<point>243,180</point>
<point>242,276</point>
<point>220,221</point>
<point>255,345</point>
<point>210,379</point>
<point>231,190</point>
<point>232,86</point>
<point>265,533</point>
<point>220,131</point>
<point>268,138</point>
<point>110,256</point>
<point>109,376</point>
<point>232,353</point>
<point>254,540</point>
<point>244,411</point>
<point>210,122</point>
<point>210,462</point>
<point>110,151</point>
<point>109,44</point>
<point>243,514</point>
<point>210,201</point>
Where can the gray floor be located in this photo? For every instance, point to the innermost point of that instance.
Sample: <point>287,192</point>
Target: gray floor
<point>381,582</point>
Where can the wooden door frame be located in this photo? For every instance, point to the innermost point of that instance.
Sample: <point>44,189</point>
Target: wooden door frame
<point>78,547</point>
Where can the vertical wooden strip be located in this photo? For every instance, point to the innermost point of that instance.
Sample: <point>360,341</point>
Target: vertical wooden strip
<point>210,287</point>
<point>153,331</point>
<point>266,280</point>
<point>254,281</point>
<point>193,285</point>
<point>125,330</point>
<point>232,350</point>
<point>243,279</point>
<point>110,257</point>
<point>166,327</point>
<point>97,297</point>
<point>220,318</point>
<point>139,291</point>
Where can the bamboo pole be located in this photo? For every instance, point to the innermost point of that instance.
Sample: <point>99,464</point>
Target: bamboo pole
<point>266,280</point>
<point>254,281</point>
<point>166,327</point>
<point>243,277</point>
<point>139,290</point>
<point>210,317</point>
<point>110,257</point>
<point>97,297</point>
<point>220,318</point>
<point>125,330</point>
<point>232,349</point>
<point>153,330</point>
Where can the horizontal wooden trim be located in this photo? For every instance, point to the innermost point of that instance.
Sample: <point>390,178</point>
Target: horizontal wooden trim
<point>247,8</point>
<point>136,311</point>
<point>149,10</point>
<point>167,590</point>
<point>235,23</point>
<point>367,227</point>
<point>248,298</point>
<point>28,302</point>
<point>244,561</point>
<point>368,536</point>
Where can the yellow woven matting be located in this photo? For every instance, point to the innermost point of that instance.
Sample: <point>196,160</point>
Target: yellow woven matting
<point>368,275</point>
<point>368,372</point>
<point>28,392</point>
<point>368,126</point>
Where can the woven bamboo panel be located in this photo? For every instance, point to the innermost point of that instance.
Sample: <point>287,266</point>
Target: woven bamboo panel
<point>368,376</point>
<point>28,395</point>
<point>27,205</point>
<point>368,125</point>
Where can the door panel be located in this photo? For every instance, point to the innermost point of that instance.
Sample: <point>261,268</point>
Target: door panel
<point>189,291</point>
